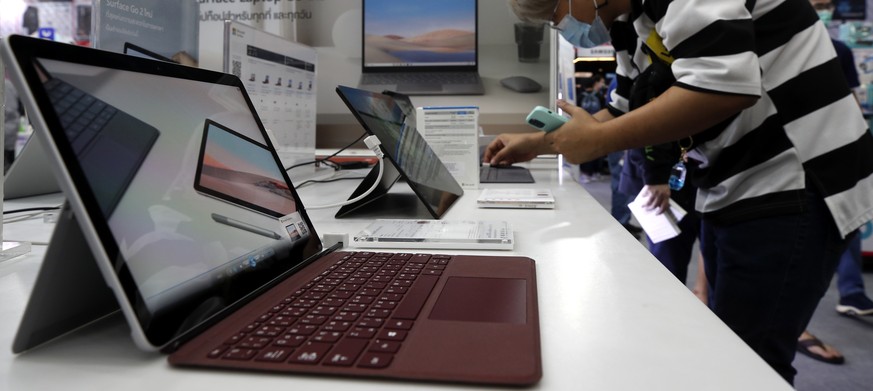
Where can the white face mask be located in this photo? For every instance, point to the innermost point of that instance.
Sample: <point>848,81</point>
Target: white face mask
<point>583,34</point>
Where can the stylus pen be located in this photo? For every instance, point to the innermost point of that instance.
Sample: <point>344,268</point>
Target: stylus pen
<point>245,226</point>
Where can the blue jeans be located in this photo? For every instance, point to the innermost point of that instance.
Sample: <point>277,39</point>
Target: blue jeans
<point>675,253</point>
<point>619,209</point>
<point>767,276</point>
<point>849,279</point>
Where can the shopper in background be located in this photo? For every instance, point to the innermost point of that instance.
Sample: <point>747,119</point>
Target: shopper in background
<point>850,283</point>
<point>619,199</point>
<point>592,99</point>
<point>779,199</point>
<point>657,174</point>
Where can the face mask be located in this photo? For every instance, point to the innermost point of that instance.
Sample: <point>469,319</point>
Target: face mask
<point>583,34</point>
<point>825,16</point>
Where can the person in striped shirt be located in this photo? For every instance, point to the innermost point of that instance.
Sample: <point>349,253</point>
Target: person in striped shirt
<point>783,153</point>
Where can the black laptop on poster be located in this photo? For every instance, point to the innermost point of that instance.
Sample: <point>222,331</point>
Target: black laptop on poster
<point>423,47</point>
<point>211,257</point>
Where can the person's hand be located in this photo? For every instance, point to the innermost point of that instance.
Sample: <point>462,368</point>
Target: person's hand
<point>506,148</point>
<point>577,139</point>
<point>658,197</point>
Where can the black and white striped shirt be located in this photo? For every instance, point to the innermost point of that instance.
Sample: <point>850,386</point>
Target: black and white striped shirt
<point>806,128</point>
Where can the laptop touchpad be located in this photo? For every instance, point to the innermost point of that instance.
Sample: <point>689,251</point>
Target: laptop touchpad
<point>475,299</point>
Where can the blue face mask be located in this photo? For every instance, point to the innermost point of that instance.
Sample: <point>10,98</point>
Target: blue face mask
<point>826,16</point>
<point>583,34</point>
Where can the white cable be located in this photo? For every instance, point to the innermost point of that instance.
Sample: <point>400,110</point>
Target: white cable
<point>373,143</point>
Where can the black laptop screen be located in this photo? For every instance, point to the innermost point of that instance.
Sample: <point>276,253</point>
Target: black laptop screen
<point>405,147</point>
<point>177,177</point>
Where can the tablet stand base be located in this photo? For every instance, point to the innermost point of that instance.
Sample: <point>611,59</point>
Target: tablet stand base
<point>382,203</point>
<point>69,291</point>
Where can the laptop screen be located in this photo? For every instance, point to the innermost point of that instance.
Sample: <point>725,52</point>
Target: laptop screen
<point>405,147</point>
<point>418,34</point>
<point>173,169</point>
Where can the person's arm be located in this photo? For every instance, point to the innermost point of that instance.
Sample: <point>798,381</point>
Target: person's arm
<point>676,114</point>
<point>656,170</point>
<point>507,149</point>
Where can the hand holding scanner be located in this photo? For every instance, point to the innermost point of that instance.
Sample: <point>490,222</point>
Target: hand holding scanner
<point>545,119</point>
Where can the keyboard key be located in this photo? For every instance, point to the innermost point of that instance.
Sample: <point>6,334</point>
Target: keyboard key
<point>309,353</point>
<point>290,340</point>
<point>362,332</point>
<point>375,360</point>
<point>414,300</point>
<point>392,335</point>
<point>345,352</point>
<point>240,354</point>
<point>216,353</point>
<point>336,326</point>
<point>274,354</point>
<point>384,346</point>
<point>399,324</point>
<point>305,329</point>
<point>255,342</point>
<point>327,336</point>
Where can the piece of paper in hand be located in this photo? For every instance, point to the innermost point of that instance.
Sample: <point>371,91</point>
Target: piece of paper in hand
<point>659,227</point>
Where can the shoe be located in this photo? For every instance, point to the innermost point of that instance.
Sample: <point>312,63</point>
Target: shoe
<point>803,346</point>
<point>855,305</point>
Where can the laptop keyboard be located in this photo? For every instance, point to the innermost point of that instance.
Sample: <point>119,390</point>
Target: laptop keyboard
<point>470,78</point>
<point>82,116</point>
<point>492,174</point>
<point>488,173</point>
<point>356,313</point>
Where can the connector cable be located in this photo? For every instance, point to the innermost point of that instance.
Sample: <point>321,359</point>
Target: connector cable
<point>373,143</point>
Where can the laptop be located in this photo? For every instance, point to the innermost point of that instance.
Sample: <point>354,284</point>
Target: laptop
<point>500,174</point>
<point>487,173</point>
<point>216,295</point>
<point>30,173</point>
<point>427,47</point>
<point>408,157</point>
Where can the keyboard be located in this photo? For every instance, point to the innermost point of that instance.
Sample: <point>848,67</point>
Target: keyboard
<point>443,78</point>
<point>82,116</point>
<point>355,313</point>
<point>493,174</point>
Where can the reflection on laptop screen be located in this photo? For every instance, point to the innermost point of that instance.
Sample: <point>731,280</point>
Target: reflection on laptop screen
<point>242,172</point>
<point>404,145</point>
<point>190,212</point>
<point>419,33</point>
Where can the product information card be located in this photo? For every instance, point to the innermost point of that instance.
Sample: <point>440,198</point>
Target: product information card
<point>453,134</point>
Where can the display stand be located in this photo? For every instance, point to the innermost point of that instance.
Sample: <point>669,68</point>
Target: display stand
<point>382,203</point>
<point>69,291</point>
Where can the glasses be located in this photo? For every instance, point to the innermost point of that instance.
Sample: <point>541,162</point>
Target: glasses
<point>551,22</point>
